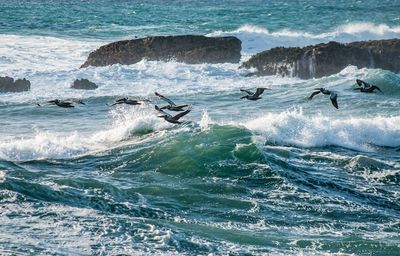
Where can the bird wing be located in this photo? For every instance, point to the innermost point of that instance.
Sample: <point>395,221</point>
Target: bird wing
<point>333,98</point>
<point>144,100</point>
<point>116,103</point>
<point>161,111</point>
<point>247,91</point>
<point>182,106</point>
<point>259,91</point>
<point>121,100</point>
<point>182,113</point>
<point>313,94</point>
<point>165,99</point>
<point>376,87</point>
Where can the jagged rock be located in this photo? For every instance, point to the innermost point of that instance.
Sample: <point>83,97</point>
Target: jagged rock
<point>326,59</point>
<point>84,84</point>
<point>7,84</point>
<point>190,49</point>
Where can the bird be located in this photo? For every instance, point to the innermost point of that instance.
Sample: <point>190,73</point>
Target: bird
<point>366,87</point>
<point>172,119</point>
<point>333,95</point>
<point>128,101</point>
<point>253,96</point>
<point>172,106</point>
<point>63,103</point>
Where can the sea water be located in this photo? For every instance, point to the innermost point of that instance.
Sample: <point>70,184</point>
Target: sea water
<point>282,175</point>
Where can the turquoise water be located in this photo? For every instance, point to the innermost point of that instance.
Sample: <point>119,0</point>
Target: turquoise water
<point>281,176</point>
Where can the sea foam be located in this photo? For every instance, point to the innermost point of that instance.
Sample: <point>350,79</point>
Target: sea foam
<point>256,39</point>
<point>51,145</point>
<point>293,127</point>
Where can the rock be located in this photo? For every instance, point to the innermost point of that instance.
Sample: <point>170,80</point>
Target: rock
<point>190,49</point>
<point>7,84</point>
<point>327,59</point>
<point>84,84</point>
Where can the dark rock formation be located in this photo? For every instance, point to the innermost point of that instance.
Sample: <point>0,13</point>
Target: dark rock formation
<point>84,84</point>
<point>326,59</point>
<point>190,49</point>
<point>7,84</point>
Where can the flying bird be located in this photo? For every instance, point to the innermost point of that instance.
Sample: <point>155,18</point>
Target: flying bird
<point>63,103</point>
<point>253,96</point>
<point>171,105</point>
<point>128,101</point>
<point>366,87</point>
<point>172,119</point>
<point>333,95</point>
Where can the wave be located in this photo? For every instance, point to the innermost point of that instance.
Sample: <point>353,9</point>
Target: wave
<point>43,53</point>
<point>295,128</point>
<point>50,145</point>
<point>256,39</point>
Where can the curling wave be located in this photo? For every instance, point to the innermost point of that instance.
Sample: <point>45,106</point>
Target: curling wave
<point>256,39</point>
<point>50,145</point>
<point>295,128</point>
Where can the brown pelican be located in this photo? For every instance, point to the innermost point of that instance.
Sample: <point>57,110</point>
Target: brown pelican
<point>172,119</point>
<point>366,87</point>
<point>128,101</point>
<point>253,96</point>
<point>63,103</point>
<point>333,96</point>
<point>172,106</point>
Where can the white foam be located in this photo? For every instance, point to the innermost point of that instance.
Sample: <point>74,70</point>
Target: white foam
<point>2,176</point>
<point>44,145</point>
<point>40,53</point>
<point>296,128</point>
<point>205,120</point>
<point>256,39</point>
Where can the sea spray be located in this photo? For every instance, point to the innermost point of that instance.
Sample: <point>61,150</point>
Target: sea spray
<point>293,127</point>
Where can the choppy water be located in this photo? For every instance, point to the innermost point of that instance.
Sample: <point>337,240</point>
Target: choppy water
<point>282,175</point>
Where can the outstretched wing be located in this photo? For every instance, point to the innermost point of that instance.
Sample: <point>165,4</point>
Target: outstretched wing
<point>182,113</point>
<point>247,91</point>
<point>116,103</point>
<point>165,99</point>
<point>161,111</point>
<point>313,94</point>
<point>333,98</point>
<point>144,100</point>
<point>259,92</point>
<point>376,87</point>
<point>121,100</point>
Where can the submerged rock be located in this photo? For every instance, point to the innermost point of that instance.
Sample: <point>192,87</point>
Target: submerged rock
<point>190,49</point>
<point>326,59</point>
<point>7,84</point>
<point>84,84</point>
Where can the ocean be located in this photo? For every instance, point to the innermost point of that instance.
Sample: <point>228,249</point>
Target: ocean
<point>279,176</point>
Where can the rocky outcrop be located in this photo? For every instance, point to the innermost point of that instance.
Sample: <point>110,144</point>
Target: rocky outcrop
<point>326,59</point>
<point>190,49</point>
<point>84,84</point>
<point>7,84</point>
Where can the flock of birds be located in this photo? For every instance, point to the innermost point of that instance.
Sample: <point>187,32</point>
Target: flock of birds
<point>171,106</point>
<point>362,86</point>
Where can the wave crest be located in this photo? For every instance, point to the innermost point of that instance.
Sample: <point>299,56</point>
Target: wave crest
<point>45,145</point>
<point>296,128</point>
<point>257,39</point>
